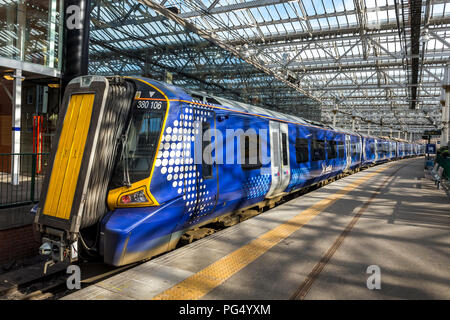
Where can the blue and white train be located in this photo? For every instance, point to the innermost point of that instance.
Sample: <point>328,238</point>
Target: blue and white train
<point>153,189</point>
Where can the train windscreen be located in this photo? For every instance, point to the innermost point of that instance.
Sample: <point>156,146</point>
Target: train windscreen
<point>139,147</point>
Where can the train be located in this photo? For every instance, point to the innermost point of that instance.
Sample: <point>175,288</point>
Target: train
<point>136,163</point>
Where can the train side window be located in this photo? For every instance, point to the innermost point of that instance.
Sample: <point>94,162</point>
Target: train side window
<point>250,151</point>
<point>207,168</point>
<point>301,150</point>
<point>331,149</point>
<point>341,149</point>
<point>284,147</point>
<point>354,151</point>
<point>318,150</point>
<point>372,147</point>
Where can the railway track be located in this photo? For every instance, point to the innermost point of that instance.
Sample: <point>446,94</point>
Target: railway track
<point>54,286</point>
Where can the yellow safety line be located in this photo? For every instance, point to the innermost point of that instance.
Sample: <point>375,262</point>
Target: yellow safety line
<point>199,284</point>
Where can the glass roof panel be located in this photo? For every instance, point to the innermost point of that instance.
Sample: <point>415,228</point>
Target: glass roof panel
<point>328,53</point>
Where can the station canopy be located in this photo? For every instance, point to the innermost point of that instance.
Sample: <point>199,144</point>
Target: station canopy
<point>380,62</point>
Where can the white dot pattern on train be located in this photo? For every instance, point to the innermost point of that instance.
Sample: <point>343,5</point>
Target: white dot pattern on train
<point>257,186</point>
<point>175,160</point>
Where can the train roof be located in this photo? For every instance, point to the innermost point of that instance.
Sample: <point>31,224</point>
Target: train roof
<point>245,107</point>
<point>248,108</point>
<point>348,131</point>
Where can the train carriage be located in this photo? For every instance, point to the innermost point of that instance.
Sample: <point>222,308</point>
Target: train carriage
<point>132,182</point>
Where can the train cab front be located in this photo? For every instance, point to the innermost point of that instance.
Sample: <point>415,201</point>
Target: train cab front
<point>97,190</point>
<point>143,210</point>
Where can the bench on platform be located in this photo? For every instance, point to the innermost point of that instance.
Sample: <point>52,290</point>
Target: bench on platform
<point>437,174</point>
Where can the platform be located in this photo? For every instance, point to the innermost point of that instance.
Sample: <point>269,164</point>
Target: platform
<point>317,246</point>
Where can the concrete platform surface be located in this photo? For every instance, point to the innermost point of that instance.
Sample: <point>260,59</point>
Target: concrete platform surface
<point>385,228</point>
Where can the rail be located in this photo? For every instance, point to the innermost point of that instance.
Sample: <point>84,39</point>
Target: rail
<point>21,176</point>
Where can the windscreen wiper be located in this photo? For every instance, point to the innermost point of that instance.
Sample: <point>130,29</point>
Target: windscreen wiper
<point>126,173</point>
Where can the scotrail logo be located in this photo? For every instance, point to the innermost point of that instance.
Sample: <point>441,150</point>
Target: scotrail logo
<point>326,169</point>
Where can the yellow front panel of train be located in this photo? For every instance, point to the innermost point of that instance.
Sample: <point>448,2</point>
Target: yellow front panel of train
<point>66,167</point>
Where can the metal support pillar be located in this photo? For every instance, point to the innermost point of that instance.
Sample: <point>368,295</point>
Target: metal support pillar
<point>334,117</point>
<point>445,119</point>
<point>445,107</point>
<point>51,37</point>
<point>21,29</point>
<point>76,25</point>
<point>16,113</point>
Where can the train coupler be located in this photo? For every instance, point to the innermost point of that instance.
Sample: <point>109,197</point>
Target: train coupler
<point>57,248</point>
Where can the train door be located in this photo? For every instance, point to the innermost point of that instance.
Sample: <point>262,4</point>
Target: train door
<point>205,182</point>
<point>393,151</point>
<point>348,152</point>
<point>360,149</point>
<point>375,145</point>
<point>285,158</point>
<point>279,157</point>
<point>364,153</point>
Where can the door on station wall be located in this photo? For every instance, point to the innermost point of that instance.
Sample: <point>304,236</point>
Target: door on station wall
<point>279,157</point>
<point>204,186</point>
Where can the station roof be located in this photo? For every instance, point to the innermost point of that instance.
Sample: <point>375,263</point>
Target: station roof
<point>379,61</point>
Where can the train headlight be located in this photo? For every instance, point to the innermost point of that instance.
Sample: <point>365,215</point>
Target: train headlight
<point>132,198</point>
